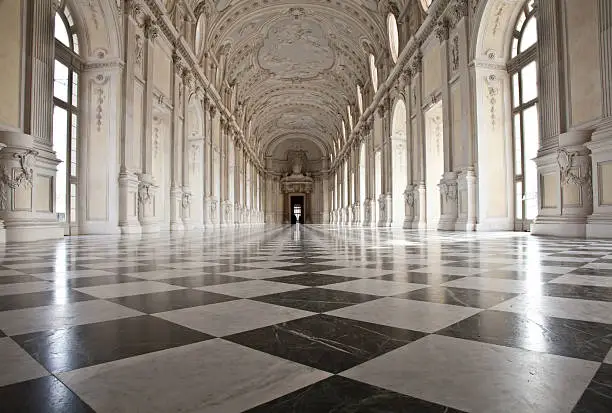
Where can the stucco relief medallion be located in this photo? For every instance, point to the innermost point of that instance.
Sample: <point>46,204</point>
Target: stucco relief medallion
<point>296,49</point>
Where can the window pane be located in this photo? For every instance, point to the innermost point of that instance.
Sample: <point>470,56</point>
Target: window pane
<point>73,145</point>
<point>531,144</point>
<point>374,73</point>
<point>519,200</point>
<point>360,100</point>
<point>516,99</point>
<point>60,81</point>
<point>73,191</point>
<point>75,90</point>
<point>518,167</point>
<point>60,135</point>
<point>514,46</point>
<point>393,36</point>
<point>75,43</point>
<point>529,82</point>
<point>530,35</point>
<point>61,33</point>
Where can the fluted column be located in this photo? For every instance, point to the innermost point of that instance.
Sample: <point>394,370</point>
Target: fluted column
<point>176,147</point>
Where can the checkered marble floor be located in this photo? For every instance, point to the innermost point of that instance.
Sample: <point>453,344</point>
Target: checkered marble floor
<point>308,320</point>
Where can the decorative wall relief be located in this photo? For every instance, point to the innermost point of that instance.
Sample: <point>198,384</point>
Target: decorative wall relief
<point>448,190</point>
<point>139,50</point>
<point>10,181</point>
<point>409,197</point>
<point>186,200</point>
<point>492,95</point>
<point>455,54</point>
<point>145,194</point>
<point>99,92</point>
<point>296,48</point>
<point>575,169</point>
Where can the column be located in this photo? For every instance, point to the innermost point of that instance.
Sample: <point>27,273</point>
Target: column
<point>147,188</point>
<point>176,146</point>
<point>448,183</point>
<point>206,169</point>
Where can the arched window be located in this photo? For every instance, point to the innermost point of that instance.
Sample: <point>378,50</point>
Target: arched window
<point>350,117</point>
<point>523,68</point>
<point>66,115</point>
<point>199,35</point>
<point>374,72</point>
<point>393,36</point>
<point>426,4</point>
<point>343,131</point>
<point>360,99</point>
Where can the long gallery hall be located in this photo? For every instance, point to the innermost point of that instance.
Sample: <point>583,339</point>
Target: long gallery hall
<point>315,206</point>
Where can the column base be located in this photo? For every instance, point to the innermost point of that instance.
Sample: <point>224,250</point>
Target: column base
<point>177,226</point>
<point>599,226</point>
<point>147,228</point>
<point>567,227</point>
<point>28,231</point>
<point>463,224</point>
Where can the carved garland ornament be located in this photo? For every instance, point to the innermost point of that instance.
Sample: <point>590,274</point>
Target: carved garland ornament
<point>25,177</point>
<point>567,162</point>
<point>186,200</point>
<point>144,193</point>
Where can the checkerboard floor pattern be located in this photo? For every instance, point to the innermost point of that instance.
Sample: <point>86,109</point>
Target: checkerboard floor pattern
<point>311,319</point>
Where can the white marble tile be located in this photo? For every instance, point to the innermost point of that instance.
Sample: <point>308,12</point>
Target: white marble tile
<point>579,279</point>
<point>17,365</point>
<point>129,288</point>
<point>24,288</point>
<point>537,268</point>
<point>166,274</point>
<point>191,265</point>
<point>261,273</point>
<point>8,273</point>
<point>232,317</point>
<point>599,265</point>
<point>479,377</point>
<point>248,289</point>
<point>412,315</point>
<point>575,309</point>
<point>54,317</point>
<point>357,272</point>
<point>494,284</point>
<point>31,265</point>
<point>215,376</point>
<point>375,287</point>
<point>608,359</point>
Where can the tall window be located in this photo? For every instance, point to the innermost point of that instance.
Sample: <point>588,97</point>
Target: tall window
<point>374,72</point>
<point>66,115</point>
<point>199,35</point>
<point>393,36</point>
<point>524,71</point>
<point>426,4</point>
<point>360,99</point>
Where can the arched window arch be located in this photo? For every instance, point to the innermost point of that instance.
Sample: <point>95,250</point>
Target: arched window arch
<point>360,99</point>
<point>66,115</point>
<point>426,4</point>
<point>393,36</point>
<point>200,33</point>
<point>523,69</point>
<point>350,117</point>
<point>373,72</point>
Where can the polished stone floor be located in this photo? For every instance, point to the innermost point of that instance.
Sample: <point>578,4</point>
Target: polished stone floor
<point>307,320</point>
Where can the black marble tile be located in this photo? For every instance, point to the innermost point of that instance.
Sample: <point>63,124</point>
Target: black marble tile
<point>2,334</point>
<point>43,395</point>
<point>170,300</point>
<point>309,267</point>
<point>42,299</point>
<point>90,344</point>
<point>312,279</point>
<point>569,264</point>
<point>570,338</point>
<point>317,300</point>
<point>390,266</point>
<point>519,275</point>
<point>582,292</point>
<point>221,269</point>
<point>197,281</point>
<point>420,278</point>
<point>458,296</point>
<point>82,282</point>
<point>598,395</point>
<point>15,279</point>
<point>325,342</point>
<point>592,271</point>
<point>341,395</point>
<point>52,269</point>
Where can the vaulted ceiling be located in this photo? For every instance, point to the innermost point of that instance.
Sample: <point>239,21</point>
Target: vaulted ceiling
<point>296,65</point>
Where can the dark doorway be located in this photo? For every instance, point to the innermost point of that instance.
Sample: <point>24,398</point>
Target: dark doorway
<point>297,210</point>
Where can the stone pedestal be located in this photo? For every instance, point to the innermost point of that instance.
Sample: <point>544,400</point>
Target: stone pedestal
<point>565,192</point>
<point>186,209</point>
<point>448,198</point>
<point>409,202</point>
<point>128,203</point>
<point>389,210</point>
<point>599,223</point>
<point>27,189</point>
<point>147,191</point>
<point>466,200</point>
<point>176,199</point>
<point>367,212</point>
<point>422,213</point>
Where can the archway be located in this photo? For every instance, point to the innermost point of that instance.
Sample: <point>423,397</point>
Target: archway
<point>362,180</point>
<point>399,163</point>
<point>505,78</point>
<point>195,151</point>
<point>434,163</point>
